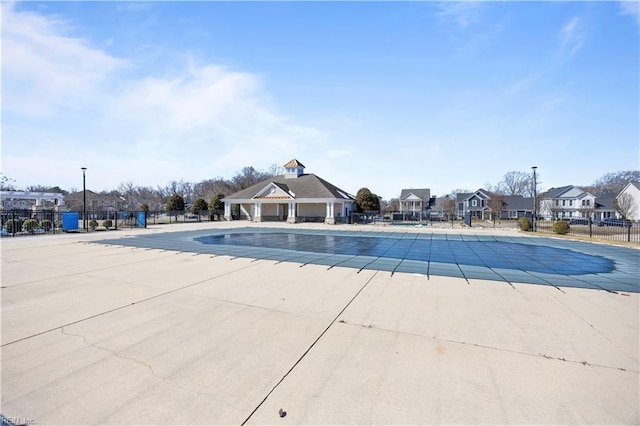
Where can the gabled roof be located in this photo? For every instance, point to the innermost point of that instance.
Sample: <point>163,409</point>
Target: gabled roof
<point>304,186</point>
<point>424,194</point>
<point>556,192</point>
<point>636,185</point>
<point>480,193</point>
<point>274,191</point>
<point>563,191</point>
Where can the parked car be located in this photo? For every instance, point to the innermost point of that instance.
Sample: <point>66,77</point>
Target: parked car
<point>579,221</point>
<point>614,222</point>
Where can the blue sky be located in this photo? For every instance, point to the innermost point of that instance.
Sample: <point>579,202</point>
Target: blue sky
<point>387,95</point>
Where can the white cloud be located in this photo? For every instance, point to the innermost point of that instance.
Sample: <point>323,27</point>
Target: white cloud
<point>44,69</point>
<point>69,99</point>
<point>572,37</point>
<point>462,13</point>
<point>631,8</point>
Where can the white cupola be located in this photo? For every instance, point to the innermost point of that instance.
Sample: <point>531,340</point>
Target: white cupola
<point>293,169</point>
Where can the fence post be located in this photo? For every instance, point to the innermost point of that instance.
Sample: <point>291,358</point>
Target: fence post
<point>628,232</point>
<point>13,223</point>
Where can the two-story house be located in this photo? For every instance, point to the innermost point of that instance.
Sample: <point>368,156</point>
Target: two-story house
<point>483,204</point>
<point>572,202</point>
<point>415,202</point>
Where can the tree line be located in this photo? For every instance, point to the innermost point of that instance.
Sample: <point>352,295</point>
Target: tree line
<point>178,195</point>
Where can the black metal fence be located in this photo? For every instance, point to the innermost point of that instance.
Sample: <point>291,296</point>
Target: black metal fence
<point>614,230</point>
<point>179,216</point>
<point>25,222</point>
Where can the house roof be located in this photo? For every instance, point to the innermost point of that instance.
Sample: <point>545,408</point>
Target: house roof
<point>518,202</point>
<point>630,184</point>
<point>462,196</point>
<point>424,194</point>
<point>606,201</point>
<point>480,193</point>
<point>304,186</point>
<point>294,163</point>
<point>556,192</point>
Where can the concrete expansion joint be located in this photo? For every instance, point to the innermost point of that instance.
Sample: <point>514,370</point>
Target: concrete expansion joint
<point>335,319</point>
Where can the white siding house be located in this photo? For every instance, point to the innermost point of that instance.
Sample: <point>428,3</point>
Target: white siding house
<point>628,200</point>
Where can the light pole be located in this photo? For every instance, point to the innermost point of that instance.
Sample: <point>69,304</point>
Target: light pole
<point>84,199</point>
<point>535,201</point>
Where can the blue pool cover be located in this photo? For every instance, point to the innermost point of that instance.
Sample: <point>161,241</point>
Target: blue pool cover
<point>560,263</point>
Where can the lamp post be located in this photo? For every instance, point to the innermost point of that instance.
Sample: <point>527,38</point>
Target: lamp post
<point>84,199</point>
<point>535,201</point>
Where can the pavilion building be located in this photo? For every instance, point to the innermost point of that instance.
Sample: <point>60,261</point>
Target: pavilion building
<point>292,197</point>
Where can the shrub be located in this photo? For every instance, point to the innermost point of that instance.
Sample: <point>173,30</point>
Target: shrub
<point>13,225</point>
<point>107,223</point>
<point>561,227</point>
<point>29,225</point>
<point>92,224</point>
<point>46,225</point>
<point>525,224</point>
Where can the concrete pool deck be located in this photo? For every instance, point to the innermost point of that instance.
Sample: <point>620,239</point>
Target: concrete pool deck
<point>99,334</point>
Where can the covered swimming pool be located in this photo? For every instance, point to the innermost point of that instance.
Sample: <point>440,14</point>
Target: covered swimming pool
<point>533,260</point>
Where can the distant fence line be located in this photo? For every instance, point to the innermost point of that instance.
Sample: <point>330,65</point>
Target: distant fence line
<point>52,222</point>
<point>624,231</point>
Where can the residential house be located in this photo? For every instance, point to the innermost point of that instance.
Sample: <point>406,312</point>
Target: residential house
<point>572,202</point>
<point>95,202</point>
<point>628,201</point>
<point>483,204</point>
<point>27,200</point>
<point>415,202</point>
<point>292,197</point>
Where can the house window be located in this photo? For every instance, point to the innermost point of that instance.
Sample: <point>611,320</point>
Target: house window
<point>474,203</point>
<point>564,203</point>
<point>571,202</point>
<point>588,202</point>
<point>557,203</point>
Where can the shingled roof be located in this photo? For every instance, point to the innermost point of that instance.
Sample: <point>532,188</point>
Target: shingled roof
<point>304,186</point>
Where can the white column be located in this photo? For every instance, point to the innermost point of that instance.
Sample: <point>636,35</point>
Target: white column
<point>291,217</point>
<point>258,214</point>
<point>227,211</point>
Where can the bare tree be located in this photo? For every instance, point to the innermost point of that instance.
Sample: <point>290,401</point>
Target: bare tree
<point>495,204</point>
<point>212,187</point>
<point>7,183</point>
<point>447,205</point>
<point>613,182</point>
<point>517,183</point>
<point>625,205</point>
<point>248,177</point>
<point>275,170</point>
